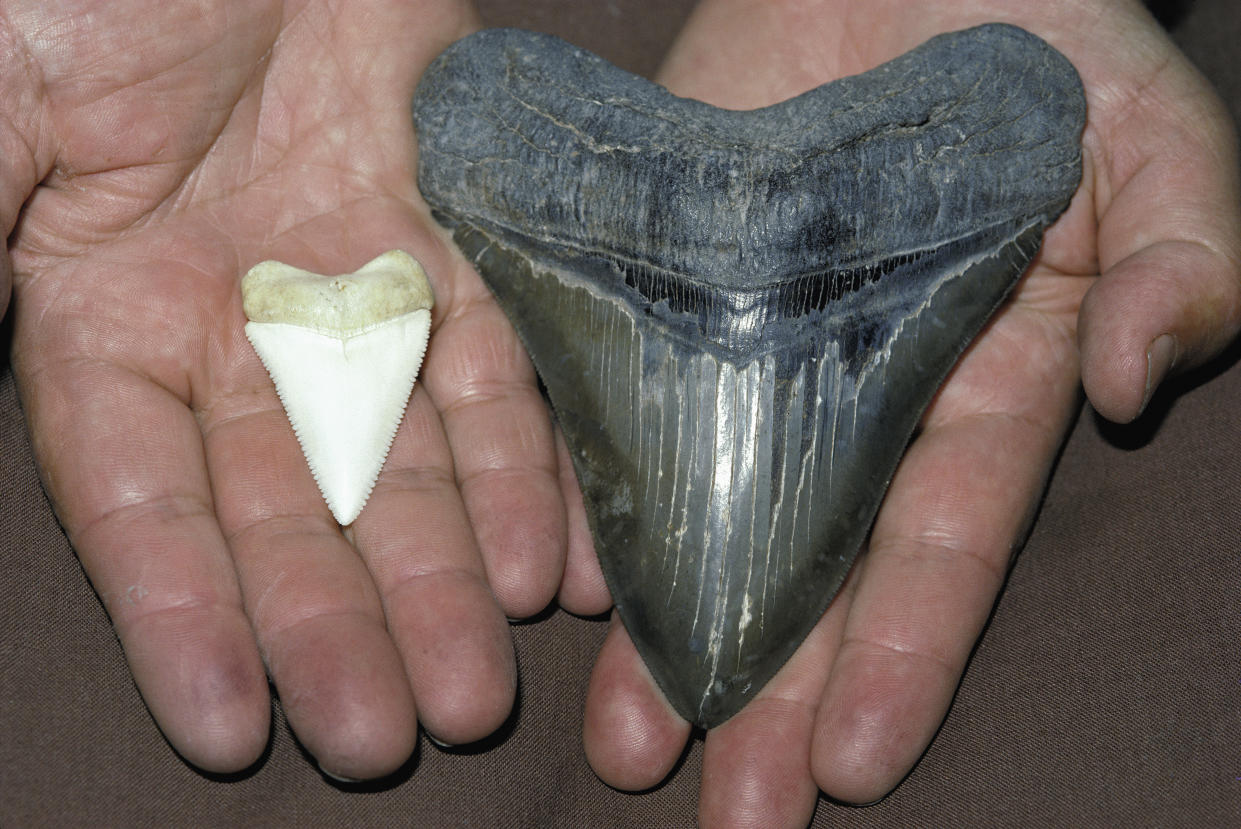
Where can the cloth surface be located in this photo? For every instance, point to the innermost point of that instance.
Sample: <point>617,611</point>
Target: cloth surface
<point>1106,690</point>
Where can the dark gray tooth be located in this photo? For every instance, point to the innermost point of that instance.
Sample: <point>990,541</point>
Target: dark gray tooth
<point>740,316</point>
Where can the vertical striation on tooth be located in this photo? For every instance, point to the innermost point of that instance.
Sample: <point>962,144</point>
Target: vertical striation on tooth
<point>343,352</point>
<point>740,316</point>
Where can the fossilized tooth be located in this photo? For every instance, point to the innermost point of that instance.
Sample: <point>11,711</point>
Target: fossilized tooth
<point>343,352</point>
<point>740,316</point>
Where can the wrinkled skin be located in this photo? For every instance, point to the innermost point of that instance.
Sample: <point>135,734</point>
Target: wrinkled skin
<point>166,147</point>
<point>1149,247</point>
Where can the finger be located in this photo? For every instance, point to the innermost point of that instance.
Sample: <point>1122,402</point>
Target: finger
<point>133,495</point>
<point>750,73</point>
<point>314,608</point>
<point>1169,244</point>
<point>503,447</point>
<point>756,766</point>
<point>631,735</point>
<point>938,554</point>
<point>583,590</point>
<point>776,51</point>
<point>1167,307</point>
<point>451,632</point>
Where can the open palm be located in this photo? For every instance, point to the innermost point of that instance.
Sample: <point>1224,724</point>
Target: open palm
<point>177,144</point>
<point>1141,273</point>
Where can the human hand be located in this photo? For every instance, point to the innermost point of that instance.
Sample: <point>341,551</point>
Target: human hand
<point>1149,247</point>
<point>177,144</point>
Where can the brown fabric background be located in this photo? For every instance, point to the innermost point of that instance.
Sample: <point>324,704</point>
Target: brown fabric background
<point>1105,692</point>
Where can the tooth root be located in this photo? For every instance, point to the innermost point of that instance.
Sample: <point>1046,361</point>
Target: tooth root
<point>344,357</point>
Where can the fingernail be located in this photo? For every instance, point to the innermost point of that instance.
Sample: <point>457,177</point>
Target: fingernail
<point>348,781</point>
<point>439,743</point>
<point>1160,357</point>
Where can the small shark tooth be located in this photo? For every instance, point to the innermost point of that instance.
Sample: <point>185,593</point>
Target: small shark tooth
<point>344,352</point>
<point>739,317</point>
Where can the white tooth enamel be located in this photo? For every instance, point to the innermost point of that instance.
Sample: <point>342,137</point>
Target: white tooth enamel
<point>344,352</point>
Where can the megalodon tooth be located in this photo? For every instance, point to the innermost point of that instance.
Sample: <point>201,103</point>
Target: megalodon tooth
<point>739,317</point>
<point>344,352</point>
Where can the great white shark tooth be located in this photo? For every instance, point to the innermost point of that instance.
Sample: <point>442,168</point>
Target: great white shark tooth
<point>344,352</point>
<point>739,317</point>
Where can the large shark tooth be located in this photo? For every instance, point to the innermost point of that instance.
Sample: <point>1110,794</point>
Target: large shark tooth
<point>344,352</point>
<point>740,316</point>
